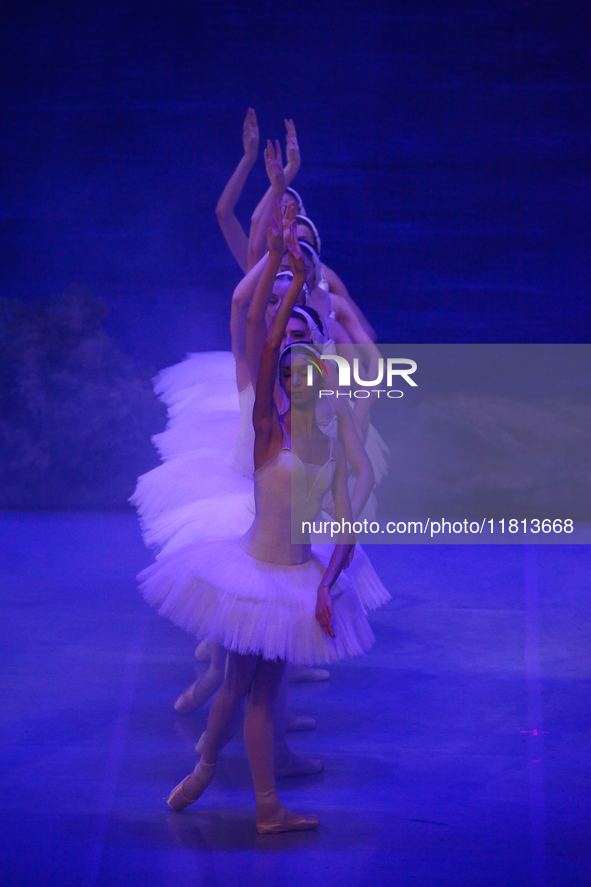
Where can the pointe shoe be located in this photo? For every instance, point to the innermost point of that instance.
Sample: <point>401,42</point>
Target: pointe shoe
<point>178,800</point>
<point>300,823</point>
<point>301,673</point>
<point>203,652</point>
<point>299,723</point>
<point>299,767</point>
<point>272,817</point>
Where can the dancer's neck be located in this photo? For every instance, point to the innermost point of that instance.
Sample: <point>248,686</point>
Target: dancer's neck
<point>299,421</point>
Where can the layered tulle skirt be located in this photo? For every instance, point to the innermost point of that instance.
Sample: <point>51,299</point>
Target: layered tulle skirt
<point>218,592</point>
<point>193,509</point>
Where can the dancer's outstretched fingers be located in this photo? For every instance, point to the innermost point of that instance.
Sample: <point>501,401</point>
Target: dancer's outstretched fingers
<point>278,155</point>
<point>274,168</point>
<point>250,134</point>
<point>292,149</point>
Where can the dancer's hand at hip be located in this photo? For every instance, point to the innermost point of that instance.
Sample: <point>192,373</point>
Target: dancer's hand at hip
<point>324,610</point>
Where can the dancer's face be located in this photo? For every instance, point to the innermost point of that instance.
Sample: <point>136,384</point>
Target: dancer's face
<point>294,379</point>
<point>280,288</point>
<point>295,331</point>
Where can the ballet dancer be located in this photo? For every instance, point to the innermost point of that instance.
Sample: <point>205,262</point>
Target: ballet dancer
<point>265,599</point>
<point>303,322</point>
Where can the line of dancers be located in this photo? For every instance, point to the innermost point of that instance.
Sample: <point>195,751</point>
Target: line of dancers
<point>249,447</point>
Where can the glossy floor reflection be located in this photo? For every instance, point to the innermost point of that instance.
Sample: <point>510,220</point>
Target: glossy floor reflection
<point>429,778</point>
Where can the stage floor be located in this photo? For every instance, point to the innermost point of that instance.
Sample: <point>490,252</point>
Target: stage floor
<point>429,776</point>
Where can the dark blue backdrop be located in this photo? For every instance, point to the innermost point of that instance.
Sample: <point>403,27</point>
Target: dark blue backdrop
<point>445,159</point>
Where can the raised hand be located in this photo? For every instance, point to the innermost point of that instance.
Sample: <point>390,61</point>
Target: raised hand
<point>324,610</point>
<point>274,167</point>
<point>289,213</point>
<point>296,259</point>
<point>292,149</point>
<point>250,135</point>
<point>275,232</point>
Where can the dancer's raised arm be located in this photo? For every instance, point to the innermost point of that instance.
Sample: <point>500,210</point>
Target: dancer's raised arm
<point>241,299</point>
<point>292,151</point>
<point>254,290</point>
<point>275,171</point>
<point>265,418</point>
<point>234,235</point>
<point>256,327</point>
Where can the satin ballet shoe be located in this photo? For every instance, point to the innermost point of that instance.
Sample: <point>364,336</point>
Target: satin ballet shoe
<point>299,767</point>
<point>299,723</point>
<point>302,673</point>
<point>272,817</point>
<point>178,800</point>
<point>203,652</point>
<point>299,823</point>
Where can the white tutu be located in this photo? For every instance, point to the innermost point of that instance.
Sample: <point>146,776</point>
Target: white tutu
<point>188,478</point>
<point>203,423</point>
<point>199,501</point>
<point>218,592</point>
<point>173,383</point>
<point>218,517</point>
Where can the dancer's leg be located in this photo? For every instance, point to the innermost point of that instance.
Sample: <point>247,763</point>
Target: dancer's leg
<point>234,725</point>
<point>286,763</point>
<point>271,815</point>
<point>240,671</point>
<point>205,686</point>
<point>203,651</point>
<point>238,677</point>
<point>282,723</point>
